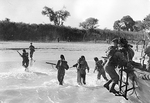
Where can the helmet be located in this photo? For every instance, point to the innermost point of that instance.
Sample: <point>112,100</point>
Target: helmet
<point>96,59</point>
<point>62,56</point>
<point>123,41</point>
<point>115,40</point>
<point>24,50</point>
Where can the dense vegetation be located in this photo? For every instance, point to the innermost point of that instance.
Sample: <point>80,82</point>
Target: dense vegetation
<point>46,32</point>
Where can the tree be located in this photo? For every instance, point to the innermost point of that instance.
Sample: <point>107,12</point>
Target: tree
<point>57,17</point>
<point>116,25</point>
<point>90,23</point>
<point>129,22</point>
<point>7,19</point>
<point>138,26</point>
<point>119,25</point>
<point>146,22</point>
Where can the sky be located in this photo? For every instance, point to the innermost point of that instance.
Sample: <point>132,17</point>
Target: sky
<point>106,11</point>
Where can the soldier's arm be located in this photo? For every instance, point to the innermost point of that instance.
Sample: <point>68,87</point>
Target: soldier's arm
<point>75,65</point>
<point>57,65</point>
<point>87,67</point>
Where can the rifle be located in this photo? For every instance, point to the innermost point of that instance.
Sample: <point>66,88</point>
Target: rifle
<point>104,57</point>
<point>19,54</point>
<point>50,63</point>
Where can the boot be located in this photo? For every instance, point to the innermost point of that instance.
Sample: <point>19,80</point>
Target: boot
<point>112,89</point>
<point>106,85</point>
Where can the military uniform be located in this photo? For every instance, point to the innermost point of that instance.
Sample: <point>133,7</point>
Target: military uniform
<point>100,69</point>
<point>82,66</point>
<point>25,61</point>
<point>126,49</point>
<point>61,66</point>
<point>32,50</point>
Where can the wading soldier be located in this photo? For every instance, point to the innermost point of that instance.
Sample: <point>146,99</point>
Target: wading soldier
<point>100,69</point>
<point>32,50</point>
<point>61,66</point>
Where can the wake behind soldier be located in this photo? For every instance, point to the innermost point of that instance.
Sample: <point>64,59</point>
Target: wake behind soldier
<point>32,50</point>
<point>99,68</point>
<point>61,66</point>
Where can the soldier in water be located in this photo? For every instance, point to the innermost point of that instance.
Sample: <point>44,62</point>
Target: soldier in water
<point>100,69</point>
<point>61,66</point>
<point>115,59</point>
<point>25,58</point>
<point>32,50</point>
<point>78,72</point>
<point>110,66</point>
<point>81,70</point>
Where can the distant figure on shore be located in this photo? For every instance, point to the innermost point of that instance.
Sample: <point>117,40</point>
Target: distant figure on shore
<point>68,39</point>
<point>32,50</point>
<point>100,69</point>
<point>107,41</point>
<point>61,66</point>
<point>58,39</point>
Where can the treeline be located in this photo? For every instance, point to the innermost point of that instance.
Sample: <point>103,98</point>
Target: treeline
<point>47,32</point>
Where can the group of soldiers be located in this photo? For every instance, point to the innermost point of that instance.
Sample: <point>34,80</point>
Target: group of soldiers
<point>25,58</point>
<point>119,55</point>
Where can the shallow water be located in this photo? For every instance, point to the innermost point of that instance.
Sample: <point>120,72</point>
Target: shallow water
<point>40,85</point>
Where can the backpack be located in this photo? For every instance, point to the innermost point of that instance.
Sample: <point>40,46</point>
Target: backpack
<point>99,65</point>
<point>64,64</point>
<point>111,51</point>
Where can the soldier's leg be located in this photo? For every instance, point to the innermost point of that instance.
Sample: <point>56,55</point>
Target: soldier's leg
<point>112,88</point>
<point>59,78</point>
<point>62,77</point>
<point>98,75</point>
<point>84,78</point>
<point>23,63</point>
<point>31,55</point>
<point>115,80</point>
<point>112,73</point>
<point>78,77</point>
<point>27,63</point>
<point>106,85</point>
<point>104,76</point>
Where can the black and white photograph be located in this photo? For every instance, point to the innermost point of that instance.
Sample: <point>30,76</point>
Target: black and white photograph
<point>74,51</point>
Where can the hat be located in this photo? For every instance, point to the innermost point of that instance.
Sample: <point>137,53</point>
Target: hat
<point>24,50</point>
<point>123,41</point>
<point>96,59</point>
<point>115,40</point>
<point>62,56</point>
